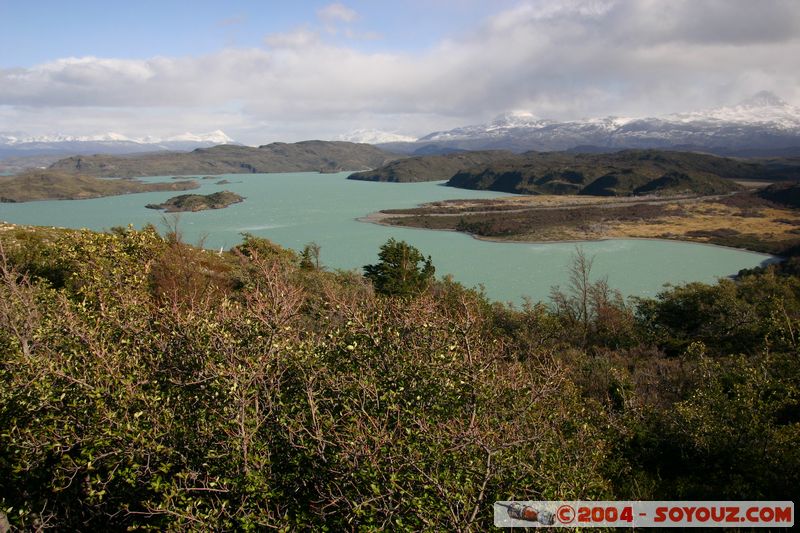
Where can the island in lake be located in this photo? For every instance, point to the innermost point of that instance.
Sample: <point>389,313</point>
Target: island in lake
<point>198,202</point>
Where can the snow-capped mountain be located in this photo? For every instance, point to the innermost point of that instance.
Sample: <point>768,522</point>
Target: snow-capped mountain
<point>370,136</point>
<point>761,124</point>
<point>20,144</point>
<point>762,108</point>
<point>214,137</point>
<point>503,125</point>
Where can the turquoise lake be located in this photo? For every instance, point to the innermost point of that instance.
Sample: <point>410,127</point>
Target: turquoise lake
<point>297,208</point>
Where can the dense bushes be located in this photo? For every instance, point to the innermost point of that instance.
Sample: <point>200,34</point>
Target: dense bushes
<point>148,384</point>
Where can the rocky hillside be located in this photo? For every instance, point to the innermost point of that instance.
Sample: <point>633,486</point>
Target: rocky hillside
<point>306,156</point>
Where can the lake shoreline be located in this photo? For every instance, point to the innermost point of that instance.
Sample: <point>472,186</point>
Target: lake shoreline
<point>282,210</point>
<point>8,226</point>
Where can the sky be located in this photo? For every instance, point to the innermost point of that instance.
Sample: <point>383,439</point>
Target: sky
<point>265,71</point>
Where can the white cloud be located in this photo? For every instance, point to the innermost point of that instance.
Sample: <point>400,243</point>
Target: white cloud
<point>299,38</point>
<point>337,13</point>
<point>563,59</point>
<point>543,10</point>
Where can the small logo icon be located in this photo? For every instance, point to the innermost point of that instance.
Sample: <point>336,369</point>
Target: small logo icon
<point>518,511</point>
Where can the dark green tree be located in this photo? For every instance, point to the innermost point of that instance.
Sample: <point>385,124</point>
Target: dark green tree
<point>399,272</point>
<point>309,257</point>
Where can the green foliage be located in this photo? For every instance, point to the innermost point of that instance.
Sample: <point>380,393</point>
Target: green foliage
<point>731,437</point>
<point>736,428</point>
<point>754,313</point>
<point>119,409</point>
<point>159,386</point>
<point>253,247</point>
<point>34,253</point>
<point>309,257</point>
<point>399,272</point>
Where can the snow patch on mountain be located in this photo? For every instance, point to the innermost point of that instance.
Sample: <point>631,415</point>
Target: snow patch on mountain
<point>214,137</point>
<point>763,119</point>
<point>762,108</point>
<point>372,136</point>
<point>500,126</point>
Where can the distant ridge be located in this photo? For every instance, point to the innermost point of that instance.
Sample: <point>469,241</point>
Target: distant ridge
<point>306,156</point>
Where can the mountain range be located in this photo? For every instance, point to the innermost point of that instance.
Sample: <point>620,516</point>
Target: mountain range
<point>763,125</point>
<point>15,144</point>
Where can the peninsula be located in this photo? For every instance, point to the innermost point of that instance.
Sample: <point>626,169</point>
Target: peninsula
<point>33,185</point>
<point>763,220</point>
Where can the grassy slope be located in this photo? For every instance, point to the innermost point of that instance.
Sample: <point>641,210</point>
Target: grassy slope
<point>53,185</point>
<point>307,156</point>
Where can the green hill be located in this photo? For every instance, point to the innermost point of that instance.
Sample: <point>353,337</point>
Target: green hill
<point>306,156</point>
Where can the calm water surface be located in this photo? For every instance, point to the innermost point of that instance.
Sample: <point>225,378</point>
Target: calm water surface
<point>295,209</point>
